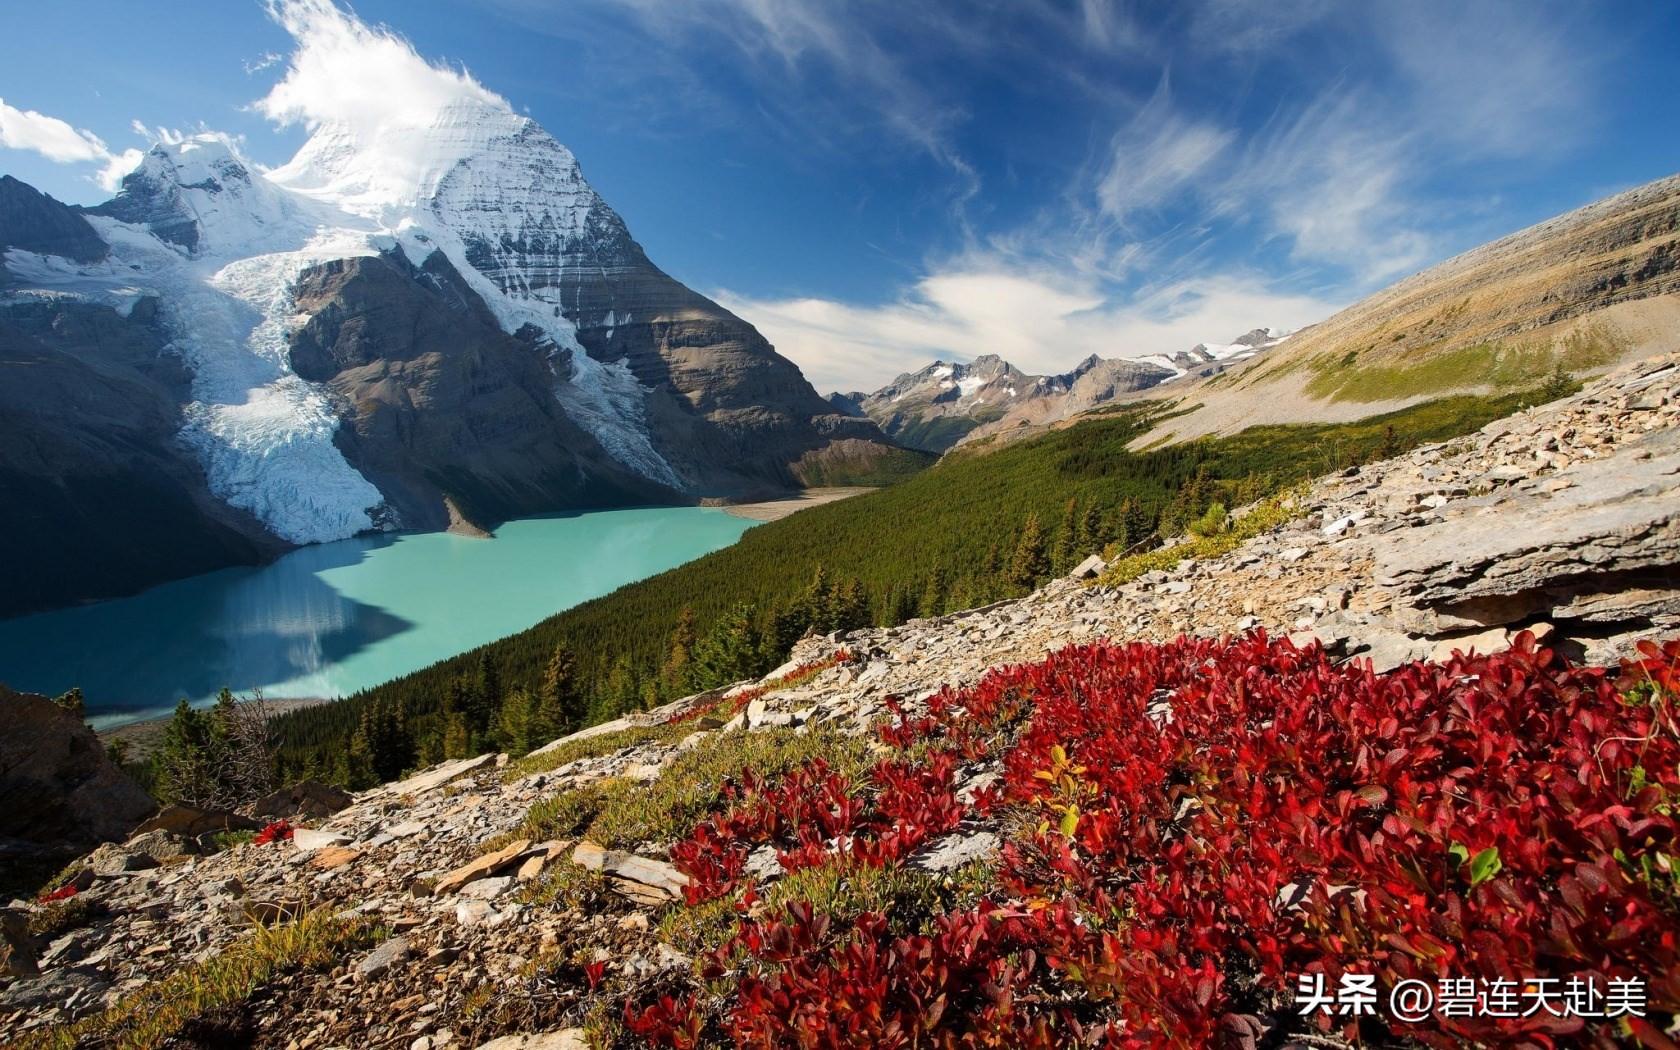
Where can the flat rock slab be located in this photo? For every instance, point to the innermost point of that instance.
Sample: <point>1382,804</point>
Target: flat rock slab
<point>483,867</point>
<point>434,778</point>
<point>956,849</point>
<point>384,957</point>
<point>655,875</point>
<point>564,1039</point>
<point>329,857</point>
<point>1621,515</point>
<point>308,840</point>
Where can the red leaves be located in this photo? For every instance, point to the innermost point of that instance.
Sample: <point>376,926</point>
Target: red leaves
<point>278,831</point>
<point>64,892</point>
<point>668,1023</point>
<point>1206,820</point>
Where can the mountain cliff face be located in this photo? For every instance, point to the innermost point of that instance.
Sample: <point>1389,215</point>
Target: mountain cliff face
<point>944,403</point>
<point>401,326</point>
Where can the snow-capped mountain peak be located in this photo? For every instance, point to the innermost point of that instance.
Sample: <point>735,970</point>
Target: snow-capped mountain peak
<point>201,195</point>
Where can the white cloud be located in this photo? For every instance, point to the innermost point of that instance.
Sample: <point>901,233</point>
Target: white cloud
<point>1157,155</point>
<point>1336,183</point>
<point>362,77</point>
<point>116,166</point>
<point>56,140</point>
<point>52,138</point>
<point>1041,323</point>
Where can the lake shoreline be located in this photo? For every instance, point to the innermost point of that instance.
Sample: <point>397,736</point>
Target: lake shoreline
<point>777,509</point>
<point>145,735</point>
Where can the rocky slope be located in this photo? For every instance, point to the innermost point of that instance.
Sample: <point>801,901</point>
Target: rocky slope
<point>939,406</point>
<point>1401,560</point>
<point>439,313</point>
<point>1586,290</point>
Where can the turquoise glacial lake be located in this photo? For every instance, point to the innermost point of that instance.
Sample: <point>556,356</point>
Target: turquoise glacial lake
<point>330,619</point>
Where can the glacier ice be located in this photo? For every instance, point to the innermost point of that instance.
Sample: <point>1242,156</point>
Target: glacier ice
<point>220,243</point>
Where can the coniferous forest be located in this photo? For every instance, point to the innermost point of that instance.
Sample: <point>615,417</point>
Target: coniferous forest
<point>982,525</point>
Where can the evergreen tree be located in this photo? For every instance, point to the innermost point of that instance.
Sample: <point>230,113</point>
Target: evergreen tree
<point>1068,549</point>
<point>457,736</point>
<point>485,695</point>
<point>1030,563</point>
<point>1093,529</point>
<point>784,627</point>
<point>355,768</point>
<point>517,724</point>
<point>676,674</point>
<point>935,592</point>
<point>184,760</point>
<point>623,690</point>
<point>814,607</point>
<point>558,705</point>
<point>730,651</point>
<point>848,607</point>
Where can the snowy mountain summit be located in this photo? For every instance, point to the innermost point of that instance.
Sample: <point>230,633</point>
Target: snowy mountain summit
<point>426,315</point>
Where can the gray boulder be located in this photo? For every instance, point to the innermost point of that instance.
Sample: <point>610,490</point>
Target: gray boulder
<point>60,795</point>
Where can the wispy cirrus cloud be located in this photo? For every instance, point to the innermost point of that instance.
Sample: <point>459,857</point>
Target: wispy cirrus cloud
<point>1157,154</point>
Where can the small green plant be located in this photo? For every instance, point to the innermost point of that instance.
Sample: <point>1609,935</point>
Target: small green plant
<point>1213,522</point>
<point>225,840</point>
<point>1265,516</point>
<point>156,1014</point>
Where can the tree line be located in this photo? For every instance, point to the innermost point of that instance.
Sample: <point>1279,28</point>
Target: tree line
<point>980,526</point>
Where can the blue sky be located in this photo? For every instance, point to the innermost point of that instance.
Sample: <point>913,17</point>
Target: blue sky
<point>880,183</point>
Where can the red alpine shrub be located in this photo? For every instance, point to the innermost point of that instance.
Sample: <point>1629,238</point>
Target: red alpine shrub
<point>278,831</point>
<point>1208,820</point>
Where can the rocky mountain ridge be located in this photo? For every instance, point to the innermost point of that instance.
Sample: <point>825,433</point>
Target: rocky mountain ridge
<point>948,403</point>
<point>444,315</point>
<point>1400,560</point>
<point>940,405</point>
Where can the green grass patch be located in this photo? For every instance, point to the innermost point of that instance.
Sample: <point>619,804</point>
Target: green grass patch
<point>1264,517</point>
<point>1502,366</point>
<point>690,786</point>
<point>592,747</point>
<point>159,1013</point>
<point>910,898</point>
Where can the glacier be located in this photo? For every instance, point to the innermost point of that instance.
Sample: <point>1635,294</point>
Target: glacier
<point>221,242</point>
